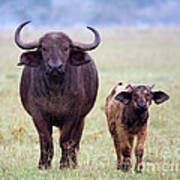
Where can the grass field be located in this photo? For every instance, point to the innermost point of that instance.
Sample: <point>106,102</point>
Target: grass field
<point>136,56</point>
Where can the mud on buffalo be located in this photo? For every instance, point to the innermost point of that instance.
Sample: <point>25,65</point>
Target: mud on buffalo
<point>59,84</point>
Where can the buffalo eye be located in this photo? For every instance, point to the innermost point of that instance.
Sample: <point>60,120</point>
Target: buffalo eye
<point>65,49</point>
<point>44,49</point>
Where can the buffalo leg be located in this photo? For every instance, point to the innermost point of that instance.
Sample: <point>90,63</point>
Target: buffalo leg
<point>139,150</point>
<point>64,162</point>
<point>46,143</point>
<point>69,142</point>
<point>75,139</point>
<point>65,141</point>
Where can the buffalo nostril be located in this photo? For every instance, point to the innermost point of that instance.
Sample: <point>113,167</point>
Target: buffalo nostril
<point>52,65</point>
<point>60,66</point>
<point>49,66</point>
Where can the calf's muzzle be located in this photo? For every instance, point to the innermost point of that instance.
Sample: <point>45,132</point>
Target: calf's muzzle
<point>141,107</point>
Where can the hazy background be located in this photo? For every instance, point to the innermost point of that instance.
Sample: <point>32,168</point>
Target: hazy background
<point>140,45</point>
<point>68,13</point>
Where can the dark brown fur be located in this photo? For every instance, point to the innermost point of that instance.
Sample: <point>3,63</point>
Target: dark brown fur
<point>61,100</point>
<point>127,115</point>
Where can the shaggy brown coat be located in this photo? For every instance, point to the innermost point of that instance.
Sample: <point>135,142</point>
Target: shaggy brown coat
<point>127,116</point>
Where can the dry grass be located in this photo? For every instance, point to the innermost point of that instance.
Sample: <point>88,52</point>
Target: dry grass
<point>138,56</point>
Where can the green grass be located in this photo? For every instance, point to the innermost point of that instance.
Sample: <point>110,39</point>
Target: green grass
<point>136,56</point>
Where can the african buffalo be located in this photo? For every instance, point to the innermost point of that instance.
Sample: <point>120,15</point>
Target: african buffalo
<point>127,116</point>
<point>58,87</point>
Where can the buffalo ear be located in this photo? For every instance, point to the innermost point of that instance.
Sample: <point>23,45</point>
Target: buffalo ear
<point>78,58</point>
<point>159,97</point>
<point>30,58</point>
<point>124,97</point>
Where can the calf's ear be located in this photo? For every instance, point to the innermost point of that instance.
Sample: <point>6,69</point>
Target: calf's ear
<point>78,58</point>
<point>30,58</point>
<point>159,97</point>
<point>124,97</point>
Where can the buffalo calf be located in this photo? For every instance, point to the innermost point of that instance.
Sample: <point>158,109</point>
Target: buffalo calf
<point>127,116</point>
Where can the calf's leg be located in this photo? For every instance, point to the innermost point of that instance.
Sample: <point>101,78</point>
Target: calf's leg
<point>116,140</point>
<point>126,149</point>
<point>118,151</point>
<point>139,150</point>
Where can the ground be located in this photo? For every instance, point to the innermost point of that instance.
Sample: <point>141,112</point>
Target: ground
<point>137,56</point>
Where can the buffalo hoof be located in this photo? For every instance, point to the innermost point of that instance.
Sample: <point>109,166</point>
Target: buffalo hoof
<point>44,166</point>
<point>138,168</point>
<point>74,165</point>
<point>125,166</point>
<point>64,165</point>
